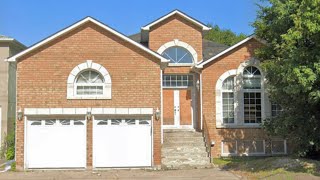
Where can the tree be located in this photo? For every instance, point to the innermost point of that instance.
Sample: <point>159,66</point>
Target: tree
<point>223,36</point>
<point>291,59</point>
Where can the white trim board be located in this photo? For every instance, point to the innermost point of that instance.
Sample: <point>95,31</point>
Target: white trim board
<point>204,27</point>
<point>83,111</point>
<point>202,63</point>
<point>77,24</point>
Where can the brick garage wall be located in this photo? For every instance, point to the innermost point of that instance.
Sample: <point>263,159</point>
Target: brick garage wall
<point>176,27</point>
<point>42,78</point>
<point>210,75</point>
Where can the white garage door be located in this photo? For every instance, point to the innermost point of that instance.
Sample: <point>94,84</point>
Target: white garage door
<point>56,143</point>
<point>122,143</point>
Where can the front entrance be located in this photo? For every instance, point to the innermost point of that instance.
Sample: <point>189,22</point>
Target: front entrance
<point>177,108</point>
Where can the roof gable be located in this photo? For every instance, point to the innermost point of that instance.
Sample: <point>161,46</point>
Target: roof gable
<point>185,16</point>
<point>77,24</point>
<point>201,64</point>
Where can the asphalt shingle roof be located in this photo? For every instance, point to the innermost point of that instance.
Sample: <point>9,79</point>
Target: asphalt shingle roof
<point>210,48</point>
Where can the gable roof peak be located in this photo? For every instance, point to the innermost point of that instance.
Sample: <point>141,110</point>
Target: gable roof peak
<point>174,12</point>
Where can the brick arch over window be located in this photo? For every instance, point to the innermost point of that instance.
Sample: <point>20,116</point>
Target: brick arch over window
<point>88,65</point>
<point>179,43</point>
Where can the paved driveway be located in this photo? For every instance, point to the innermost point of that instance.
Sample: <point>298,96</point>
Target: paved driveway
<point>205,174</point>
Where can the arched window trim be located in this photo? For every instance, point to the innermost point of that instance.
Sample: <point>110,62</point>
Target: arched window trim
<point>238,96</point>
<point>88,65</point>
<point>182,44</point>
<point>219,91</point>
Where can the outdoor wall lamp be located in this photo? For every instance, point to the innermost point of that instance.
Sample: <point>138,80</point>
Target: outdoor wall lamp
<point>89,114</point>
<point>19,115</point>
<point>213,143</point>
<point>198,85</point>
<point>157,114</point>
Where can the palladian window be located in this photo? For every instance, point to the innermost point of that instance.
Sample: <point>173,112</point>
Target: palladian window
<point>178,55</point>
<point>240,98</point>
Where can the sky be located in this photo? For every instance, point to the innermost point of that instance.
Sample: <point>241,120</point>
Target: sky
<point>30,21</point>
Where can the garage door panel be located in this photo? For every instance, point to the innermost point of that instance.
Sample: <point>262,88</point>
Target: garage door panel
<point>126,145</point>
<point>56,146</point>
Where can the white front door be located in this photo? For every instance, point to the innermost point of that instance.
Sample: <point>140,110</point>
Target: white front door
<point>53,143</point>
<point>176,106</point>
<point>122,143</point>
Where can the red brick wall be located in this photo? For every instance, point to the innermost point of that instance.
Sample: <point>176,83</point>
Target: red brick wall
<point>176,27</point>
<point>210,75</point>
<point>42,77</point>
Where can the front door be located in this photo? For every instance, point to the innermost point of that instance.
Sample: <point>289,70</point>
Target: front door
<point>177,109</point>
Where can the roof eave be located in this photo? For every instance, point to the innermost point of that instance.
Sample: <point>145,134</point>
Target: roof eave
<point>203,63</point>
<point>85,20</point>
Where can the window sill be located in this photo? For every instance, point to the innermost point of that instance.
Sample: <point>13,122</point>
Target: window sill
<point>237,126</point>
<point>88,97</point>
<point>180,64</point>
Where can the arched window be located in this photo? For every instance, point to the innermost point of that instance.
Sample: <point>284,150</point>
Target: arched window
<point>89,82</point>
<point>252,95</point>
<point>228,100</point>
<point>177,55</point>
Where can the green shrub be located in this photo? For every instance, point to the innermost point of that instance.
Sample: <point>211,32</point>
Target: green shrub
<point>13,166</point>
<point>8,147</point>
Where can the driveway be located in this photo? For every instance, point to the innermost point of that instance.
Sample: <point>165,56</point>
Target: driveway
<point>205,174</point>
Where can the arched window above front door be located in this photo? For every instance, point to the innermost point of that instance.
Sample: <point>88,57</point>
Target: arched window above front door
<point>178,55</point>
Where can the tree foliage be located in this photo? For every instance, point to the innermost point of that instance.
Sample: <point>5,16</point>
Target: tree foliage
<point>223,36</point>
<point>291,57</point>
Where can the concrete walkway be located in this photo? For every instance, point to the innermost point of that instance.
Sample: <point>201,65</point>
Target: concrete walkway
<point>205,174</point>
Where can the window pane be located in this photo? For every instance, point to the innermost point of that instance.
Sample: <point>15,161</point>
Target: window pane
<point>252,107</point>
<point>50,122</point>
<point>177,80</point>
<point>178,54</point>
<point>251,78</point>
<point>228,84</point>
<point>228,107</point>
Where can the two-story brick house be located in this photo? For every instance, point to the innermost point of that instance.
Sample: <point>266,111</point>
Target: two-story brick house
<point>91,97</point>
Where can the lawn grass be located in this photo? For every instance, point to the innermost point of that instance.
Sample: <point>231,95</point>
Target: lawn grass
<point>267,167</point>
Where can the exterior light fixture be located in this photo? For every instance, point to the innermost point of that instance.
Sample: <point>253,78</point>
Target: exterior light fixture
<point>19,115</point>
<point>157,114</point>
<point>213,143</point>
<point>198,85</point>
<point>89,114</point>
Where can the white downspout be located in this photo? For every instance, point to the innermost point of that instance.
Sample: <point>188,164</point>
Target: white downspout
<point>161,109</point>
<point>201,119</point>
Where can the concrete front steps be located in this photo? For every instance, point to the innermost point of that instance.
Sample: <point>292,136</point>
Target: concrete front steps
<point>184,149</point>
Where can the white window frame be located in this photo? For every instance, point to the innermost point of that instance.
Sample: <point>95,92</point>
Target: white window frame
<point>252,91</point>
<point>228,154</point>
<point>177,87</point>
<point>284,145</point>
<point>256,153</point>
<point>88,65</point>
<point>177,42</point>
<point>229,91</point>
<point>219,101</point>
<point>239,97</point>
